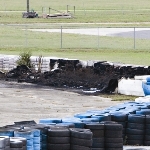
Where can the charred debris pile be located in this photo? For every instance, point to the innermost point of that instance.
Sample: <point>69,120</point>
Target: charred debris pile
<point>101,76</point>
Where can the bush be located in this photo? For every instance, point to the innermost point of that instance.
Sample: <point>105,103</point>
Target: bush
<point>25,59</point>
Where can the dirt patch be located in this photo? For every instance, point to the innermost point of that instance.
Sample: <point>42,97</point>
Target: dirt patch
<point>101,76</point>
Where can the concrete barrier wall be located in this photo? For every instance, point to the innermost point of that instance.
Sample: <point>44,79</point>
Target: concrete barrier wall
<point>8,62</point>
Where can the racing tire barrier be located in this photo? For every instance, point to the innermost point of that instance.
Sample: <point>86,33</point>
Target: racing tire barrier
<point>147,131</point>
<point>113,136</point>
<point>58,138</point>
<point>80,138</point>
<point>98,134</point>
<point>135,129</point>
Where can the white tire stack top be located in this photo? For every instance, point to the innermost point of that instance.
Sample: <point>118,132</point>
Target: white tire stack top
<point>4,143</point>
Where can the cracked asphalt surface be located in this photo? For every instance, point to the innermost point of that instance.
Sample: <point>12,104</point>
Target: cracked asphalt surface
<point>24,101</point>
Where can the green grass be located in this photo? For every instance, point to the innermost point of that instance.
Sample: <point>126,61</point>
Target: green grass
<point>80,4</point>
<point>85,17</point>
<point>86,11</point>
<point>126,56</point>
<point>15,40</point>
<point>119,97</point>
<point>20,36</point>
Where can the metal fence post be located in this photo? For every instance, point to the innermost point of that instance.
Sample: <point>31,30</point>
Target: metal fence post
<point>26,40</point>
<point>61,38</point>
<point>74,9</point>
<point>134,37</point>
<point>67,8</point>
<point>98,38</point>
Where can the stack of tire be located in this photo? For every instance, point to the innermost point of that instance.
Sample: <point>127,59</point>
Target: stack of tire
<point>147,131</point>
<point>43,135</point>
<point>1,62</point>
<point>58,138</point>
<point>36,139</point>
<point>98,135</point>
<point>18,143</point>
<point>121,118</point>
<point>50,121</point>
<point>135,129</point>
<point>113,136</point>
<point>86,117</point>
<point>83,115</point>
<point>6,132</point>
<point>4,143</point>
<point>27,134</point>
<point>102,117</point>
<point>67,125</point>
<point>81,139</point>
<point>6,63</point>
<point>76,121</point>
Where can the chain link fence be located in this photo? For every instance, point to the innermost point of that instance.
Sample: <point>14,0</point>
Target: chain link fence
<point>73,37</point>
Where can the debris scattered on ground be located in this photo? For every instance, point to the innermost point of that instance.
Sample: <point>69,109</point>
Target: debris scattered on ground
<point>101,76</point>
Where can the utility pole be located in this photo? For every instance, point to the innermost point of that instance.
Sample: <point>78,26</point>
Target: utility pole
<point>27,5</point>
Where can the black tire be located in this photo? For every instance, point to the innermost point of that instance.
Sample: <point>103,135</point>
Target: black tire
<point>134,131</point>
<point>113,134</point>
<point>59,140</point>
<point>147,119</point>
<point>81,142</point>
<point>98,133</point>
<point>114,148</point>
<point>135,142</point>
<point>147,126</point>
<point>119,117</point>
<point>59,132</point>
<point>114,140</point>
<point>113,127</point>
<point>58,146</point>
<point>108,122</point>
<point>98,140</point>
<point>31,122</point>
<point>113,145</point>
<point>14,149</point>
<point>24,140</point>
<point>70,125</point>
<point>97,145</point>
<point>146,143</point>
<point>24,148</point>
<point>102,117</point>
<point>16,144</point>
<point>133,118</point>
<point>147,137</point>
<point>124,124</point>
<point>135,137</point>
<point>81,133</point>
<point>97,148</point>
<point>77,147</point>
<point>136,126</point>
<point>94,126</point>
<point>123,130</point>
<point>147,131</point>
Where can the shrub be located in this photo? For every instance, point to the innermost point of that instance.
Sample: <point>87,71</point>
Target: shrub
<point>24,59</point>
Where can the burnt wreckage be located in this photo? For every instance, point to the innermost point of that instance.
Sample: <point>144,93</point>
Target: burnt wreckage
<point>101,75</point>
